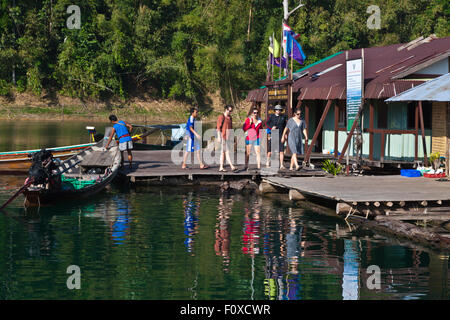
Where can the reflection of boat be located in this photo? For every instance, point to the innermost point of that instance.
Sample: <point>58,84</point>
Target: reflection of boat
<point>82,175</point>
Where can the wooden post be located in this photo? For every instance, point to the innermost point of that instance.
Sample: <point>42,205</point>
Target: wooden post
<point>447,140</point>
<point>307,123</point>
<point>383,138</point>
<point>289,101</point>
<point>336,131</point>
<point>371,120</point>
<point>416,135</point>
<point>319,127</point>
<point>267,101</point>
<point>422,128</point>
<point>307,115</point>
<point>347,141</point>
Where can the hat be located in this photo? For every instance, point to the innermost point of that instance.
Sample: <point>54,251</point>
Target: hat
<point>278,107</point>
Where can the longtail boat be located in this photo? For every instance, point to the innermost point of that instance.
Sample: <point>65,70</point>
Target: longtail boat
<point>82,175</point>
<point>20,161</point>
<point>168,140</point>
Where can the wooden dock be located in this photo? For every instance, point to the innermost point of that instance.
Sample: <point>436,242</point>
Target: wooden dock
<point>368,188</point>
<point>157,165</point>
<point>389,204</point>
<point>385,202</point>
<point>398,197</point>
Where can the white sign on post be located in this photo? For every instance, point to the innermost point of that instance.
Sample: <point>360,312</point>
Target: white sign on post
<point>354,90</point>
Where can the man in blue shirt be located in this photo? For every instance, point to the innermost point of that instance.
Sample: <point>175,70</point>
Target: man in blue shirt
<point>122,130</point>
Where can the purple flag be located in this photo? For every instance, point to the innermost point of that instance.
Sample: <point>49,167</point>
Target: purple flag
<point>276,61</point>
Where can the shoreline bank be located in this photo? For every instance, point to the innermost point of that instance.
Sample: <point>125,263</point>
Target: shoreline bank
<point>26,106</point>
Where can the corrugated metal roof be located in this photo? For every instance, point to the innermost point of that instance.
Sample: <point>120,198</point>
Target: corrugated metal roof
<point>381,65</point>
<point>434,90</point>
<point>257,95</point>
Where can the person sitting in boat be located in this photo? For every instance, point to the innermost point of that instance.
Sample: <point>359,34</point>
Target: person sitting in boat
<point>122,130</point>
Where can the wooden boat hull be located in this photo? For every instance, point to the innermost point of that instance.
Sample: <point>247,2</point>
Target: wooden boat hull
<point>38,195</point>
<point>18,161</point>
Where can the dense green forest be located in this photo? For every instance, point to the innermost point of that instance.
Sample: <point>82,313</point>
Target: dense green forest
<point>184,49</point>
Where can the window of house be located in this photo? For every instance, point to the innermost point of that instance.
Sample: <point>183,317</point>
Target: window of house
<point>411,114</point>
<point>382,116</point>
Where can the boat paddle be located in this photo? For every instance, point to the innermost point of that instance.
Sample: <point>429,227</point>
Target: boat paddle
<point>22,189</point>
<point>30,181</point>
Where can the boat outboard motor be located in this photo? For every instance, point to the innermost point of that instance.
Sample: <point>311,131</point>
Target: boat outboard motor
<point>98,137</point>
<point>40,168</point>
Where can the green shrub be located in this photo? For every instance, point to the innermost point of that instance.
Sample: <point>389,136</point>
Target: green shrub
<point>5,88</point>
<point>332,168</point>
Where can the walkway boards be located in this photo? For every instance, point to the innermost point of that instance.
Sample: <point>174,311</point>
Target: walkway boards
<point>367,188</point>
<point>158,164</point>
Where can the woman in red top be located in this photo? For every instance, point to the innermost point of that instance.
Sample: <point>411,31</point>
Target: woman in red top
<point>252,125</point>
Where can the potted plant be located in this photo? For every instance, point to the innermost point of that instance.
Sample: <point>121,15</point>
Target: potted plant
<point>435,160</point>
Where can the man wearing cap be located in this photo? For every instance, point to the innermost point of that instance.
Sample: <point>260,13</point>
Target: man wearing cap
<point>277,121</point>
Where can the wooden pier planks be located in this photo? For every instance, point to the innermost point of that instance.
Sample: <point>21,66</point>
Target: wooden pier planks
<point>159,164</point>
<point>98,159</point>
<point>368,188</point>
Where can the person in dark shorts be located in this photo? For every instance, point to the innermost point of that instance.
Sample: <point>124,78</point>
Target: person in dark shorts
<point>276,121</point>
<point>122,130</point>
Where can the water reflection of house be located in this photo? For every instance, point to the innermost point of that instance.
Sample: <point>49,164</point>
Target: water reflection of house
<point>390,132</point>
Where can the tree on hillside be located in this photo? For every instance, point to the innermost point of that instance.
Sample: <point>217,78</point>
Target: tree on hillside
<point>185,49</point>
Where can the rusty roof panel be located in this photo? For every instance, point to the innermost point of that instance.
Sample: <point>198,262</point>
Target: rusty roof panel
<point>434,90</point>
<point>257,95</point>
<point>381,65</point>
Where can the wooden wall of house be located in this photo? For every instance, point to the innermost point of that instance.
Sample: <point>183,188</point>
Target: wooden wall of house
<point>399,147</point>
<point>439,128</point>
<point>447,151</point>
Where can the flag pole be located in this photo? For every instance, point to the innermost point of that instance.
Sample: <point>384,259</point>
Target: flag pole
<point>281,51</point>
<point>292,58</point>
<point>273,55</point>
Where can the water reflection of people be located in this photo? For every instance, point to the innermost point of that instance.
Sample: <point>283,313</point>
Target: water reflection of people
<point>293,252</point>
<point>282,250</point>
<point>191,210</point>
<point>121,222</point>
<point>222,231</point>
<point>250,237</point>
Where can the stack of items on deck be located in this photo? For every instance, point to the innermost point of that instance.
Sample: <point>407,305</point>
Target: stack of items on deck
<point>436,170</point>
<point>77,183</point>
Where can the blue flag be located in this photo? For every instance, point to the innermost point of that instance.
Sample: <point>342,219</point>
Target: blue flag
<point>293,48</point>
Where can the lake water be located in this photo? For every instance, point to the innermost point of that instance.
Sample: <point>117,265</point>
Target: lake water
<point>184,243</point>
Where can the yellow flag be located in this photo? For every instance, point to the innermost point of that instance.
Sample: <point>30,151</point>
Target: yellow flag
<point>276,48</point>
